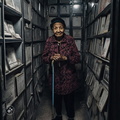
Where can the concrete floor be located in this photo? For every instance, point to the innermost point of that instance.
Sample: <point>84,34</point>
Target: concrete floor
<point>44,111</point>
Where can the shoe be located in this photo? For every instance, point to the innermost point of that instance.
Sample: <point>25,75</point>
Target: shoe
<point>57,118</point>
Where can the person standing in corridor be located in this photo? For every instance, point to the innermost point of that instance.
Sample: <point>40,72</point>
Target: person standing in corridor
<point>62,49</point>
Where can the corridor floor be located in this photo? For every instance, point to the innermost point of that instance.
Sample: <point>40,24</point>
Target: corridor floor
<point>44,111</point>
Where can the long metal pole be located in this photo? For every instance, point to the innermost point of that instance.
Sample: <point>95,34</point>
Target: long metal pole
<point>52,89</point>
<point>114,82</point>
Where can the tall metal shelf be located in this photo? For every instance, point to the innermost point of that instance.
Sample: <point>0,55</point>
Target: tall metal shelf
<point>18,86</point>
<point>96,54</point>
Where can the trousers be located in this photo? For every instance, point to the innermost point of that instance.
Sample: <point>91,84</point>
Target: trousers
<point>69,104</point>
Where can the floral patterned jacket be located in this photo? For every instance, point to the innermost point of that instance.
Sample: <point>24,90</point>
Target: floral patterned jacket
<point>65,72</point>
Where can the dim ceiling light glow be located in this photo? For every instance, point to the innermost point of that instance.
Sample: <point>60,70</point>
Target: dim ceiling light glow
<point>92,4</point>
<point>76,6</point>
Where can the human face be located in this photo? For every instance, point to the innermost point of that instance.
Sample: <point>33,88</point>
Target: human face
<point>58,29</point>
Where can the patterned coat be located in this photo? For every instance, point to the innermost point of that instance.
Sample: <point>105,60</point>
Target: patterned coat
<point>65,72</point>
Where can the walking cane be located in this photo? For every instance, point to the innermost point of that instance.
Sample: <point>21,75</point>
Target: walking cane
<point>52,89</point>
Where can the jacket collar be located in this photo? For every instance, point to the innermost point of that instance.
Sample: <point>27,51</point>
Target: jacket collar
<point>62,41</point>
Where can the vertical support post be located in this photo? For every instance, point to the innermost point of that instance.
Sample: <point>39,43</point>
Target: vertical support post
<point>114,82</point>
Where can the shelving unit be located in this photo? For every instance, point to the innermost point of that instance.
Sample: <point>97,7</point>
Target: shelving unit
<point>97,56</point>
<point>13,67</point>
<point>22,73</point>
<point>39,32</point>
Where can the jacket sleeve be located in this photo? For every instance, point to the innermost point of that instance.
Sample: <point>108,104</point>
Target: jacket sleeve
<point>74,56</point>
<point>46,53</point>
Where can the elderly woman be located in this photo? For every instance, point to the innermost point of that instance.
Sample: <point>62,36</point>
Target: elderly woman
<point>62,49</point>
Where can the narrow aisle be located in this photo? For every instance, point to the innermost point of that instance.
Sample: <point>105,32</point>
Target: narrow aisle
<point>44,109</point>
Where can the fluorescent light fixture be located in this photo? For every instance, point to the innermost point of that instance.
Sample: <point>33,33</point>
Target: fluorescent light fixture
<point>76,6</point>
<point>92,4</point>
